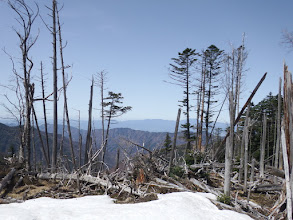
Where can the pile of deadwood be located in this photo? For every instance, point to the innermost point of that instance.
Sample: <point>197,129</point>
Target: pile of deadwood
<point>145,177</point>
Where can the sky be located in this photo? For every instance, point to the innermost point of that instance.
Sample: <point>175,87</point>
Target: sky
<point>135,40</point>
<point>177,205</point>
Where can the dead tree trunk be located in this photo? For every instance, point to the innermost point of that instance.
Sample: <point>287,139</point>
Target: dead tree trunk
<point>55,89</point>
<point>104,147</point>
<point>174,141</point>
<point>243,142</point>
<point>229,148</point>
<point>79,139</point>
<point>34,146</point>
<point>263,145</point>
<point>197,119</point>
<point>41,139</point>
<point>287,138</point>
<point>6,179</point>
<point>243,109</point>
<point>45,115</point>
<point>26,18</point>
<point>101,79</point>
<point>287,174</point>
<point>89,129</point>
<point>246,155</point>
<point>202,106</point>
<point>278,142</point>
<point>64,91</point>
<point>252,170</point>
<point>117,159</point>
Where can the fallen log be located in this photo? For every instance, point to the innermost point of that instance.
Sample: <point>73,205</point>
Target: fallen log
<point>85,178</point>
<point>207,165</point>
<point>6,180</point>
<point>211,165</point>
<point>275,171</point>
<point>252,212</point>
<point>90,179</point>
<point>205,187</point>
<point>178,187</point>
<point>268,188</point>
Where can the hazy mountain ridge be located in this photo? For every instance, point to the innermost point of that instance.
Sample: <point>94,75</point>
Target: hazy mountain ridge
<point>9,136</point>
<point>150,140</point>
<point>151,125</point>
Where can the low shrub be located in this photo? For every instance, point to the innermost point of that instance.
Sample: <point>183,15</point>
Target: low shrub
<point>224,199</point>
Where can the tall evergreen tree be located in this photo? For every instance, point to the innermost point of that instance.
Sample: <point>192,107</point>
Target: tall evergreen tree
<point>213,56</point>
<point>180,73</point>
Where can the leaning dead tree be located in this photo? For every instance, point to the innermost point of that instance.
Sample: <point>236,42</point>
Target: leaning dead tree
<point>244,147</point>
<point>245,105</point>
<point>228,137</point>
<point>25,17</point>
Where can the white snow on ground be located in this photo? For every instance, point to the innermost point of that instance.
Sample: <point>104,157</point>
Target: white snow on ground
<point>180,205</point>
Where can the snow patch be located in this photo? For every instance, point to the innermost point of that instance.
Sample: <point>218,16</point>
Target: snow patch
<point>179,205</point>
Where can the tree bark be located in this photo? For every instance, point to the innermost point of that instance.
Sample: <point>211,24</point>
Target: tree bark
<point>174,141</point>
<point>7,178</point>
<point>202,105</point>
<point>287,174</point>
<point>89,129</point>
<point>243,145</point>
<point>55,89</point>
<point>229,148</point>
<point>263,145</point>
<point>246,156</point>
<point>64,92</point>
<point>117,159</point>
<point>45,115</point>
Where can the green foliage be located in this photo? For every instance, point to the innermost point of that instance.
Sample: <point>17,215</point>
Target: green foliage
<point>189,159</point>
<point>199,157</point>
<point>269,106</point>
<point>113,102</point>
<point>176,171</point>
<point>11,150</point>
<point>224,199</point>
<point>181,74</point>
<point>167,142</point>
<point>213,60</point>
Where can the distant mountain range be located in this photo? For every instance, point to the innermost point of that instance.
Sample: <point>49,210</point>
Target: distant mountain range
<point>151,133</point>
<point>151,125</point>
<point>9,138</point>
<point>117,137</point>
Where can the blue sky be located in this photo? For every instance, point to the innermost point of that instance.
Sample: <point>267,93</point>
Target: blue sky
<point>134,41</point>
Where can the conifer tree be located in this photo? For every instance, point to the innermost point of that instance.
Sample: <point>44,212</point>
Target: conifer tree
<point>113,109</point>
<point>213,56</point>
<point>167,143</point>
<point>180,74</point>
